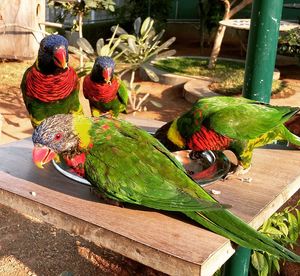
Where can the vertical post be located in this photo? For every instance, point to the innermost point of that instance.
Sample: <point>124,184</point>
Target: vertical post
<point>238,264</point>
<point>260,63</point>
<point>261,50</point>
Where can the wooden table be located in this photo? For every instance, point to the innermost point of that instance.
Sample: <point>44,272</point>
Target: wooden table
<point>244,24</point>
<point>292,5</point>
<point>167,242</point>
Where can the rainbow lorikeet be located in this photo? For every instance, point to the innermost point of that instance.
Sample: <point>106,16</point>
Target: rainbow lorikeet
<point>234,123</point>
<point>50,86</point>
<point>105,92</point>
<point>127,164</point>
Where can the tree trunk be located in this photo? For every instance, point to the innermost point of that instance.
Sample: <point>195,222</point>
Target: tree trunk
<point>80,19</point>
<point>221,30</point>
<point>219,37</point>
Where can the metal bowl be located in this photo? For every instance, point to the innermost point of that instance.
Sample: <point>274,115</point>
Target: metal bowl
<point>204,167</point>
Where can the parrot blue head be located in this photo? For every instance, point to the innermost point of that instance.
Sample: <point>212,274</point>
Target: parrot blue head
<point>53,54</point>
<point>103,69</point>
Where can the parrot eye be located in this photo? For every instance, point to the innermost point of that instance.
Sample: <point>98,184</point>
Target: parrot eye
<point>58,136</point>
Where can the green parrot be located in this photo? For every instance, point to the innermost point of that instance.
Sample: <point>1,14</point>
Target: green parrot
<point>127,164</point>
<point>106,92</point>
<point>228,123</point>
<point>50,86</point>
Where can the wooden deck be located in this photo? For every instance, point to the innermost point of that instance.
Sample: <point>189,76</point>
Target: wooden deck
<point>167,242</point>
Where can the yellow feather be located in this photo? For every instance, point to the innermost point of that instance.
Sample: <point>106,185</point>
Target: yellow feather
<point>82,126</point>
<point>174,135</point>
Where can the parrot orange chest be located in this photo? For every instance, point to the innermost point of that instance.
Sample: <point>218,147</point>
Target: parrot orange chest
<point>52,87</point>
<point>76,163</point>
<point>207,139</point>
<point>100,92</point>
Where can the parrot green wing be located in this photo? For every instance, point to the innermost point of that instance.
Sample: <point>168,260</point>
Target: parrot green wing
<point>131,166</point>
<point>191,121</point>
<point>236,121</point>
<point>40,110</point>
<point>123,93</point>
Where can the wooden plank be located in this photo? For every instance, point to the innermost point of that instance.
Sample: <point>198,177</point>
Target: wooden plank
<point>275,178</point>
<point>20,32</point>
<point>171,244</point>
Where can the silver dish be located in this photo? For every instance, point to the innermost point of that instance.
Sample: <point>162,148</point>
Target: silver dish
<point>67,171</point>
<point>204,167</point>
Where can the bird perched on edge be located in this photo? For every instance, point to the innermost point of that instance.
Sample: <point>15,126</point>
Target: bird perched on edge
<point>105,92</point>
<point>237,124</point>
<point>146,173</point>
<point>50,86</point>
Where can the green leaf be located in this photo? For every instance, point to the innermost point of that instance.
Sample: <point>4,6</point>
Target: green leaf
<point>293,229</point>
<point>137,25</point>
<point>116,44</point>
<point>260,263</point>
<point>159,35</point>
<point>126,36</point>
<point>85,45</point>
<point>298,217</point>
<point>99,45</point>
<point>146,26</point>
<point>276,265</point>
<point>166,44</point>
<point>105,50</point>
<point>76,51</point>
<point>132,45</point>
<point>111,8</point>
<point>119,31</point>
<point>272,231</point>
<point>283,228</point>
<point>166,54</point>
<point>150,74</point>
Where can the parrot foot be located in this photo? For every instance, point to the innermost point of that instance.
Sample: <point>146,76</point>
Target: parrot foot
<point>237,172</point>
<point>104,198</point>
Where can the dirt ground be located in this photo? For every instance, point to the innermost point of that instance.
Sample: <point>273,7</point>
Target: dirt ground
<point>31,247</point>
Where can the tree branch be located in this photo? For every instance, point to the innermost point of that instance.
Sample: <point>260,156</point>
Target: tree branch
<point>239,7</point>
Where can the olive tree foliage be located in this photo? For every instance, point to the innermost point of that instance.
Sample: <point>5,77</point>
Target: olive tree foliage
<point>81,8</point>
<point>231,8</point>
<point>132,53</point>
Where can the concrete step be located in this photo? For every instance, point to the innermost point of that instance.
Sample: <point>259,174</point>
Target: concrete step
<point>194,90</point>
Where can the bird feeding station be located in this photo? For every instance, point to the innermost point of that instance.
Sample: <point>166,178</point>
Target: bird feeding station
<point>20,28</point>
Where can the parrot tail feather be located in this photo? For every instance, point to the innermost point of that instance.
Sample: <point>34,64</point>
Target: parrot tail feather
<point>289,136</point>
<point>228,225</point>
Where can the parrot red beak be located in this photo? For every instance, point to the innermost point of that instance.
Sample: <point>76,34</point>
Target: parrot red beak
<point>106,73</point>
<point>41,155</point>
<point>60,57</point>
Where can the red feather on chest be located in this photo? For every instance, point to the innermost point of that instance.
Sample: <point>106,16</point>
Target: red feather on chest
<point>206,139</point>
<point>100,92</point>
<point>76,163</point>
<point>48,88</point>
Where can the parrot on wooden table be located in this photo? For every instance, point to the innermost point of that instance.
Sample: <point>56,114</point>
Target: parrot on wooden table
<point>293,125</point>
<point>228,123</point>
<point>50,86</point>
<point>106,92</point>
<point>127,164</point>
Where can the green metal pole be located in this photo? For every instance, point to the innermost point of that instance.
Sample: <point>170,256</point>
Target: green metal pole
<point>262,47</point>
<point>260,63</point>
<point>238,264</point>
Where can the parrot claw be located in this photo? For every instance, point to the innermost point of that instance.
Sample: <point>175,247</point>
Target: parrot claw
<point>107,200</point>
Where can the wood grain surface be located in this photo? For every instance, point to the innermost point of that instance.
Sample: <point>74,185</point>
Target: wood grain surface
<point>168,242</point>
